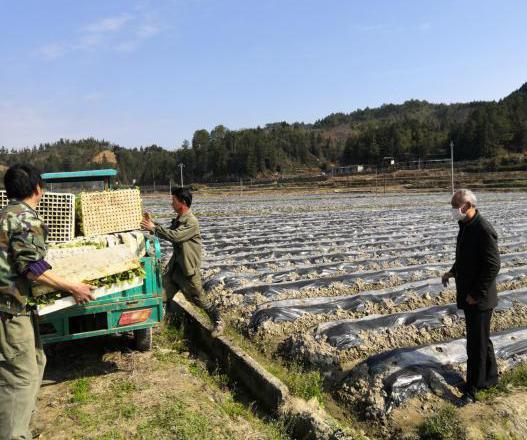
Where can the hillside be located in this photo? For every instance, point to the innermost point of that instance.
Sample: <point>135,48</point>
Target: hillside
<point>412,130</point>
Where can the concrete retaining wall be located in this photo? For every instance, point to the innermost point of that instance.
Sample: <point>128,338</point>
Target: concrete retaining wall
<point>304,421</point>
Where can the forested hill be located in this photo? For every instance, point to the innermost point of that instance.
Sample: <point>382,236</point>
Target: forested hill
<point>415,129</point>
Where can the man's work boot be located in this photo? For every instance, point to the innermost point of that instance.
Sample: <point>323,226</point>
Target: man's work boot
<point>215,317</point>
<point>466,399</point>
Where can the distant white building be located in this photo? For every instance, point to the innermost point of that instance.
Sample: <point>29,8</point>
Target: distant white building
<point>351,169</point>
<point>388,161</point>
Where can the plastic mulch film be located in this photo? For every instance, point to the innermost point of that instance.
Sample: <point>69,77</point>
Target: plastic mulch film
<point>405,373</point>
<point>270,283</point>
<point>274,249</point>
<point>405,274</point>
<point>345,334</point>
<point>335,256</point>
<point>289,310</point>
<point>261,261</point>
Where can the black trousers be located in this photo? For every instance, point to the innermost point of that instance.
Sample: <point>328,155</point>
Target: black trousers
<point>482,371</point>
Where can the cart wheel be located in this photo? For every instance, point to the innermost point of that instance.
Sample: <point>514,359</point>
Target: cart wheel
<point>143,339</point>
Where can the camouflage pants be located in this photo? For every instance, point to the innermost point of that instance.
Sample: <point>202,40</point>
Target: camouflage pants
<point>22,362</point>
<point>191,288</point>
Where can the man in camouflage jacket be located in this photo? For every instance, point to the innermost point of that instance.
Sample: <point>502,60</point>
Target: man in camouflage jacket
<point>22,262</point>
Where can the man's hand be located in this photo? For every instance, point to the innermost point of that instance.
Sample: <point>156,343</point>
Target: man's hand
<point>81,292</point>
<point>147,222</point>
<point>471,301</point>
<point>446,276</point>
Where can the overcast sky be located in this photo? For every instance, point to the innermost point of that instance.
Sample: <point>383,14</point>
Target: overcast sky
<point>144,72</point>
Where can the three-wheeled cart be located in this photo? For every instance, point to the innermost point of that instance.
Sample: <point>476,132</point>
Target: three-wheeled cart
<point>135,309</point>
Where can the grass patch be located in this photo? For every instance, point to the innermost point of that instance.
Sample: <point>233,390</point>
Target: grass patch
<point>498,436</point>
<point>180,423</point>
<point>169,343</point>
<point>127,410</point>
<point>305,384</point>
<point>517,377</point>
<point>122,387</point>
<point>444,425</point>
<point>301,383</point>
<point>273,429</point>
<point>80,390</point>
<point>81,417</point>
<point>172,338</point>
<point>111,435</point>
<point>234,409</point>
<point>138,404</point>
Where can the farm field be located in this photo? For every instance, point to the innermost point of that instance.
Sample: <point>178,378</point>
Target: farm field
<point>349,286</point>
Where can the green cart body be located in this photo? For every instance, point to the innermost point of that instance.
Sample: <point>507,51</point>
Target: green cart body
<point>135,310</point>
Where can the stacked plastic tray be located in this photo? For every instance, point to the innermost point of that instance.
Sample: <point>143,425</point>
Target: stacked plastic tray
<point>58,212</point>
<point>3,198</point>
<point>110,211</point>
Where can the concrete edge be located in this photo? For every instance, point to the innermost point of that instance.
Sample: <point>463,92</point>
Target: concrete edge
<point>305,420</point>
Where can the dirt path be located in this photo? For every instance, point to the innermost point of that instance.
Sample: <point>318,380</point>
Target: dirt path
<point>101,389</point>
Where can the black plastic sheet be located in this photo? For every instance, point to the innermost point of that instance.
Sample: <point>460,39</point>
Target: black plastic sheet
<point>289,310</point>
<point>271,283</point>
<point>344,334</point>
<point>414,371</point>
<point>372,276</point>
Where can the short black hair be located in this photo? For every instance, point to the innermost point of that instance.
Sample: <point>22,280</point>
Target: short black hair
<point>183,195</point>
<point>21,181</point>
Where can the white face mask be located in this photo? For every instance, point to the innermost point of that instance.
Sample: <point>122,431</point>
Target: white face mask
<point>457,215</point>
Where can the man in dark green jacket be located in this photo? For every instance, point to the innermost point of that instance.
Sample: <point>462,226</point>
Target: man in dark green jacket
<point>183,270</point>
<point>475,269</point>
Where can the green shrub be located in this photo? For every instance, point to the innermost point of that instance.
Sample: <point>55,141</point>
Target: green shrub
<point>305,384</point>
<point>444,425</point>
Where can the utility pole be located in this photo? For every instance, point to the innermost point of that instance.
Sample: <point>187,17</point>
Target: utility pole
<point>452,163</point>
<point>181,165</point>
<point>384,177</point>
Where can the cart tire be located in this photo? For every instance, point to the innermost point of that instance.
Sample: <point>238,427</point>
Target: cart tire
<point>143,339</point>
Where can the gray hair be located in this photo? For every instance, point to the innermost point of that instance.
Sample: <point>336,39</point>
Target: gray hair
<point>465,195</point>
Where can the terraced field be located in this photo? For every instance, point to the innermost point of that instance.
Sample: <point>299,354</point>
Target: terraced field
<point>350,285</point>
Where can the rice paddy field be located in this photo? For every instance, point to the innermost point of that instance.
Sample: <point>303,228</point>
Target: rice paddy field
<point>349,286</point>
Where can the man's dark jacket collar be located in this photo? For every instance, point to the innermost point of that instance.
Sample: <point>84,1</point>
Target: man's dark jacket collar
<point>473,221</point>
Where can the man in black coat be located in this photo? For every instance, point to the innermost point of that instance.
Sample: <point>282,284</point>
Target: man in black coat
<point>475,269</point>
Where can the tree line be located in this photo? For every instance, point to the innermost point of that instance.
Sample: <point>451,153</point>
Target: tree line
<point>415,129</point>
